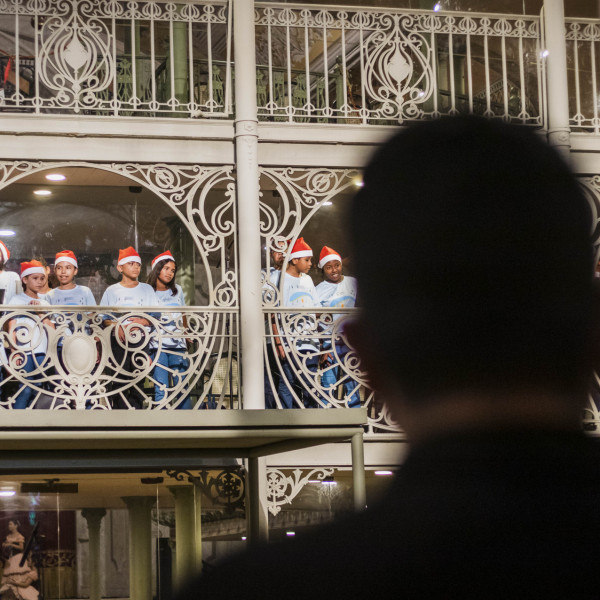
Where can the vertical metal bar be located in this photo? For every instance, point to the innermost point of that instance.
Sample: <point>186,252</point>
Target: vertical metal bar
<point>18,54</point>
<point>486,56</point>
<point>522,79</point>
<point>344,76</point>
<point>270,68</point>
<point>325,65</point>
<point>288,47</point>
<point>594,84</point>
<point>210,64</point>
<point>153,57</point>
<point>362,72</point>
<point>133,62</point>
<point>191,66</point>
<point>451,61</point>
<point>434,69</point>
<point>469,73</point>
<point>358,472</point>
<point>36,35</point>
<point>307,67</point>
<point>577,83</point>
<point>115,63</point>
<point>504,75</point>
<point>541,72</point>
<point>173,98</point>
<point>228,94</point>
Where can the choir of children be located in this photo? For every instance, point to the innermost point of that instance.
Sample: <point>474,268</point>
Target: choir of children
<point>29,339</point>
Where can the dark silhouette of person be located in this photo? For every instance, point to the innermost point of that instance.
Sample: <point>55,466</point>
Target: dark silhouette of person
<point>479,329</point>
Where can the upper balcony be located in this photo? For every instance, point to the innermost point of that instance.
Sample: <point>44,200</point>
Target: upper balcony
<point>115,60</point>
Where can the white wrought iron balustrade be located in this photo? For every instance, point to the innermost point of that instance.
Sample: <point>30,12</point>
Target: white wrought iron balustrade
<point>116,58</point>
<point>583,68</point>
<point>89,364</point>
<point>382,66</point>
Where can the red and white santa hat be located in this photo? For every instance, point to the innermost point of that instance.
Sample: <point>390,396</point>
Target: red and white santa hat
<point>4,251</point>
<point>300,249</point>
<point>328,254</point>
<point>66,256</point>
<point>128,255</point>
<point>32,267</point>
<point>164,256</point>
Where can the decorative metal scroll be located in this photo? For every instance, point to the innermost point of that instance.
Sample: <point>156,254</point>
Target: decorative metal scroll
<point>591,189</point>
<point>315,366</point>
<point>117,58</point>
<point>189,190</point>
<point>69,358</point>
<point>363,66</point>
<point>282,488</point>
<point>227,489</point>
<point>583,38</point>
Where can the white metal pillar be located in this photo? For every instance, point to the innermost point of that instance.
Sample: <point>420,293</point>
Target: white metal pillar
<point>257,518</point>
<point>94,517</point>
<point>140,546</point>
<point>358,472</point>
<point>559,133</point>
<point>248,215</point>
<point>188,532</point>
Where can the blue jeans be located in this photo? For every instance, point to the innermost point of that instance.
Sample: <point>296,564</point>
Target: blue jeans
<point>294,377</point>
<point>25,396</point>
<point>175,360</point>
<point>332,375</point>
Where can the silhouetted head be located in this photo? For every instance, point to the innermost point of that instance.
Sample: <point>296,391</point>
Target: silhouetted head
<point>474,261</point>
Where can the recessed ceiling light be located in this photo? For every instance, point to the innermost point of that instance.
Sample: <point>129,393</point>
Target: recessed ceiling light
<point>7,493</point>
<point>42,192</point>
<point>7,232</point>
<point>55,177</point>
<point>384,472</point>
<point>290,533</point>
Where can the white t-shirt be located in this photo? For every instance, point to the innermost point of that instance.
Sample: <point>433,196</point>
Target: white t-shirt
<point>300,292</point>
<point>40,337</point>
<point>166,298</point>
<point>140,295</point>
<point>10,282</point>
<point>342,295</point>
<point>77,296</point>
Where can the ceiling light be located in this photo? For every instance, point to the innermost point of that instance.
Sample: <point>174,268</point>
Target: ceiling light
<point>384,472</point>
<point>243,538</point>
<point>42,192</point>
<point>437,7</point>
<point>7,493</point>
<point>7,232</point>
<point>55,177</point>
<point>290,533</point>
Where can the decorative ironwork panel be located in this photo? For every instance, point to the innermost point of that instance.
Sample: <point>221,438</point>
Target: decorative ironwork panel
<point>116,58</point>
<point>309,362</point>
<point>100,358</point>
<point>282,488</point>
<point>361,66</point>
<point>583,69</point>
<point>69,358</point>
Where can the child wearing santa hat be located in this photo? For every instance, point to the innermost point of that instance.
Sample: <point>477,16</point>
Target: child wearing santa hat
<point>297,353</point>
<point>10,283</point>
<point>28,335</point>
<point>129,292</point>
<point>172,361</point>
<point>68,293</point>
<point>337,290</point>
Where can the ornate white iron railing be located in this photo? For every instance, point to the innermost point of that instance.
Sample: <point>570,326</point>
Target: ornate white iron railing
<point>583,64</point>
<point>361,66</point>
<point>116,58</point>
<point>183,358</point>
